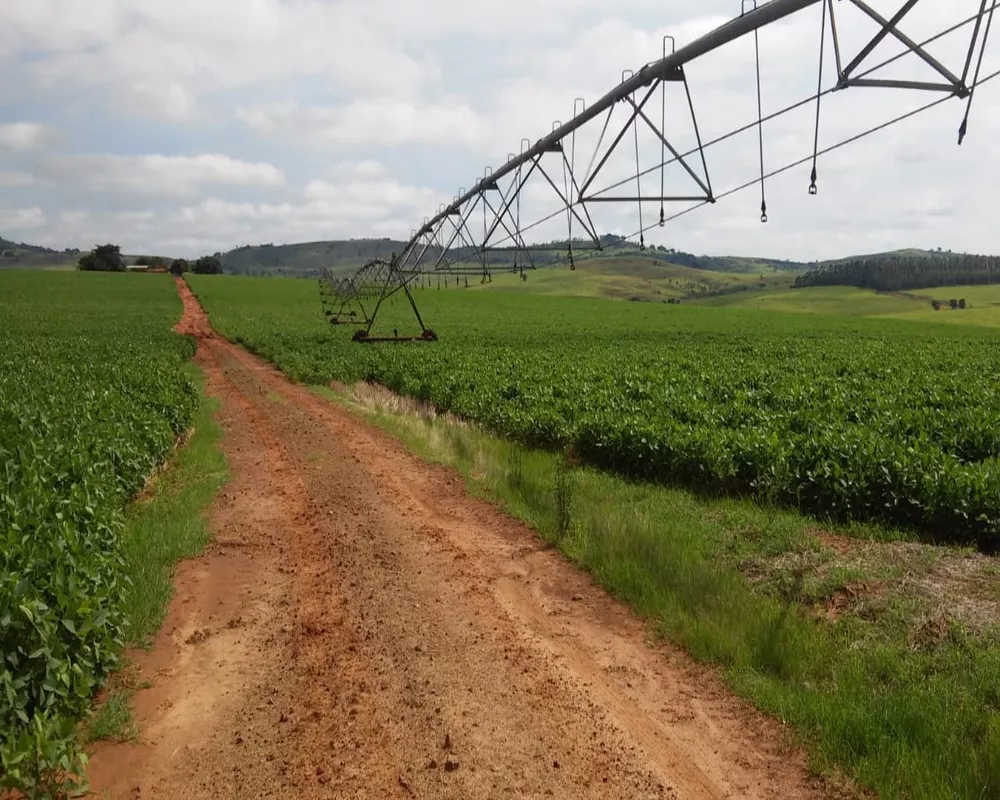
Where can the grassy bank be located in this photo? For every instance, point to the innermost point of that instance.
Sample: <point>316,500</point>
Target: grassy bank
<point>879,653</point>
<point>168,523</point>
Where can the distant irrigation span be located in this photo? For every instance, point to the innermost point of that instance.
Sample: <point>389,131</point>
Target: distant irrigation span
<point>640,148</point>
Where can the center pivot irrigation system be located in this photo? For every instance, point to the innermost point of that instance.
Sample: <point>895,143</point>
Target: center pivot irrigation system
<point>629,123</point>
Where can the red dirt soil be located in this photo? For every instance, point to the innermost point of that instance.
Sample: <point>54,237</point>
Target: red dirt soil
<point>360,627</point>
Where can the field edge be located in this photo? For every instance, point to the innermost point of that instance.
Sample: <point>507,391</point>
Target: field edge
<point>701,605</point>
<point>164,527</point>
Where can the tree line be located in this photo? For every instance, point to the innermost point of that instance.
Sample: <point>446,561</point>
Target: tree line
<point>109,258</point>
<point>896,273</point>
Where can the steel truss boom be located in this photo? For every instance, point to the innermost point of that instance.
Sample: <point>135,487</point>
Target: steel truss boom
<point>449,244</point>
<point>766,14</point>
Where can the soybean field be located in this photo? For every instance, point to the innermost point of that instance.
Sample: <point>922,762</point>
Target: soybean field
<point>847,419</point>
<point>92,400</point>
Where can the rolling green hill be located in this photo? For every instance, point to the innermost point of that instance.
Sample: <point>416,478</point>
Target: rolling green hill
<point>308,259</point>
<point>982,303</point>
<point>343,257</point>
<point>636,278</point>
<point>17,255</point>
<point>620,271</point>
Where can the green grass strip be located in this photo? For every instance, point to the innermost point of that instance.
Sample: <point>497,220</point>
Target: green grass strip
<point>169,524</point>
<point>113,720</point>
<point>164,527</point>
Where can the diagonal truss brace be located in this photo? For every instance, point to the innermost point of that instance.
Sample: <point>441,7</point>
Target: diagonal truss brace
<point>890,27</point>
<point>676,75</point>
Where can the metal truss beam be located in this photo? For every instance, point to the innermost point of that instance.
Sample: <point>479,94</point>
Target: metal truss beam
<point>747,23</point>
<point>890,27</point>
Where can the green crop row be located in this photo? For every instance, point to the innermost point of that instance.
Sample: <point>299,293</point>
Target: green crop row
<point>846,419</point>
<point>92,400</point>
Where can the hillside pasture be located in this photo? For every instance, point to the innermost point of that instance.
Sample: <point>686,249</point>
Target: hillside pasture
<point>982,303</point>
<point>631,278</point>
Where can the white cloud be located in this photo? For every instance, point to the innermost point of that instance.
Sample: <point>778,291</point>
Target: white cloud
<point>358,199</point>
<point>368,123</point>
<point>360,170</point>
<point>75,218</point>
<point>160,175</point>
<point>350,198</point>
<point>161,59</point>
<point>355,199</point>
<point>25,135</point>
<point>58,25</point>
<point>21,219</point>
<point>16,180</point>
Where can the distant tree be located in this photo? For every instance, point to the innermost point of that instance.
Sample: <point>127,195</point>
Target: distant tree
<point>954,304</point>
<point>144,261</point>
<point>208,265</point>
<point>936,305</point>
<point>961,303</point>
<point>179,266</point>
<point>104,258</point>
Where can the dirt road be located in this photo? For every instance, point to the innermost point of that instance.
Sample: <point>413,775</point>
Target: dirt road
<point>362,628</point>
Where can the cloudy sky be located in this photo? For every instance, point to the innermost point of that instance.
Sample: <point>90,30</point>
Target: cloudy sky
<point>190,126</point>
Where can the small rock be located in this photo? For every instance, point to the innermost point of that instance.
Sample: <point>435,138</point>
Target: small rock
<point>432,764</point>
<point>447,741</point>
<point>450,764</point>
<point>555,765</point>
